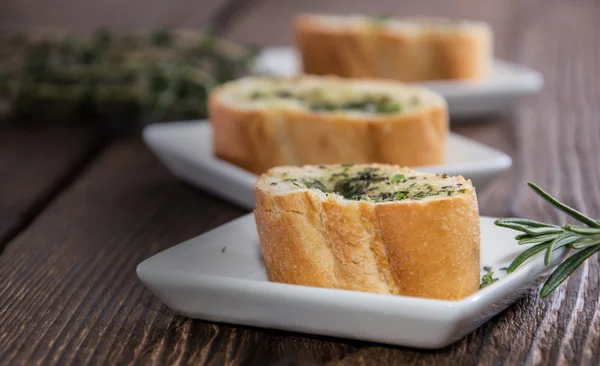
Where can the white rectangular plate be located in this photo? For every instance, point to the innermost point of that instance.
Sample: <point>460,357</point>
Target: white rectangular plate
<point>186,149</point>
<point>220,276</point>
<point>504,87</point>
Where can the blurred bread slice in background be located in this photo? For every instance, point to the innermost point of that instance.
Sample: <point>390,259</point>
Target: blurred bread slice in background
<point>374,228</point>
<point>262,122</point>
<point>410,49</point>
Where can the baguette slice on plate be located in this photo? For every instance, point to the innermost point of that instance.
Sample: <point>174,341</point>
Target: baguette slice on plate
<point>262,122</point>
<point>410,49</point>
<point>374,228</point>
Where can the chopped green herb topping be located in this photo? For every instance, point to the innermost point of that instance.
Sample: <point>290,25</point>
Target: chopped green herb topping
<point>380,107</point>
<point>400,195</point>
<point>487,279</point>
<point>315,184</point>
<point>414,100</point>
<point>317,100</point>
<point>325,107</point>
<point>284,94</point>
<point>351,188</point>
<point>372,183</point>
<point>398,178</point>
<point>380,18</point>
<point>256,95</point>
<point>389,108</point>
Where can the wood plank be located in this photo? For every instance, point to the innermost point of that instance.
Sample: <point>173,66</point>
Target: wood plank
<point>34,165</point>
<point>69,290</point>
<point>86,16</point>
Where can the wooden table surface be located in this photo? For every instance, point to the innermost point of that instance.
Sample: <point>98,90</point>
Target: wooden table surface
<point>79,211</point>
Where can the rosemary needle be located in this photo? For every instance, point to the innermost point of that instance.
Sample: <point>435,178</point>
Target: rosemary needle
<point>584,239</point>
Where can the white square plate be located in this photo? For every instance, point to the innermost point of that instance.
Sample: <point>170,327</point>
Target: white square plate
<point>186,149</point>
<point>506,84</point>
<point>220,276</point>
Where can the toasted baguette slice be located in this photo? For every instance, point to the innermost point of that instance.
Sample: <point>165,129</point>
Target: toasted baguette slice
<point>411,49</point>
<point>375,228</point>
<point>259,122</point>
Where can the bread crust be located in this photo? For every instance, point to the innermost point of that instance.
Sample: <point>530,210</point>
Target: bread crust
<point>259,139</point>
<point>426,248</point>
<point>367,52</point>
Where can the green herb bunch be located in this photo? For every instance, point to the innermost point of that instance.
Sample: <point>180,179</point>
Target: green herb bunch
<point>138,76</point>
<point>583,240</point>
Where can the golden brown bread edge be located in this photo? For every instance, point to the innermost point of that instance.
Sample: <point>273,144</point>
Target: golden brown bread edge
<point>426,249</point>
<point>382,53</point>
<point>257,140</point>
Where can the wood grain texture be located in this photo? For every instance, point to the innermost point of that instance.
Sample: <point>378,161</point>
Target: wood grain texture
<point>69,290</point>
<point>69,294</point>
<point>86,16</point>
<point>34,165</point>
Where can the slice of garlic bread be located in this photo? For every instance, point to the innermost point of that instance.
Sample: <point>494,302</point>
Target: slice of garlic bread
<point>374,228</point>
<point>409,49</point>
<point>262,122</point>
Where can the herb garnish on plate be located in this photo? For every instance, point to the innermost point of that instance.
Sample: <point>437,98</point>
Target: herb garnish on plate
<point>584,240</point>
<point>487,279</point>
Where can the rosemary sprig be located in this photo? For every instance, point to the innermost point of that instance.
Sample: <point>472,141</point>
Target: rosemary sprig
<point>547,237</point>
<point>137,77</point>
